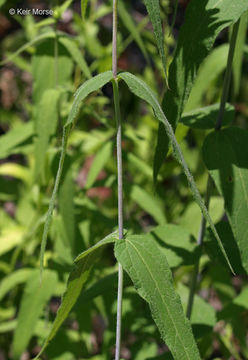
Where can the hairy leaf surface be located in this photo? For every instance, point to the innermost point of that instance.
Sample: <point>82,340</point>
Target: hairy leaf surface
<point>148,268</point>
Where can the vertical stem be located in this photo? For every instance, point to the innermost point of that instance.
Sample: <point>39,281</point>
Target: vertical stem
<point>228,75</point>
<point>225,91</point>
<point>119,172</point>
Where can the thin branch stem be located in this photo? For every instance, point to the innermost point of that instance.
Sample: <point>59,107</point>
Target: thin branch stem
<point>119,174</point>
<point>225,92</point>
<point>228,75</point>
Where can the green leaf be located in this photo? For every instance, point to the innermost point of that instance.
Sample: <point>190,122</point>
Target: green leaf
<point>225,154</point>
<point>153,9</point>
<point>100,160</point>
<point>140,89</point>
<point>36,40</point>
<point>211,68</point>
<point>131,26</point>
<point>149,203</point>
<point>148,268</point>
<point>178,245</point>
<point>45,125</point>
<point>229,244</point>
<point>203,317</point>
<point>205,118</point>
<point>203,22</point>
<point>14,138</point>
<point>44,64</point>
<point>78,277</point>
<point>84,4</point>
<point>12,280</point>
<point>34,298</point>
<point>72,48</point>
<point>83,91</point>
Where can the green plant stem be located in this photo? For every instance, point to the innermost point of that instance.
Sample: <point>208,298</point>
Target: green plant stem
<point>225,92</point>
<point>228,75</point>
<point>119,175</point>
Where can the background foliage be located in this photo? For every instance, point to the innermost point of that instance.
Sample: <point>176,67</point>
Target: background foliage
<point>56,55</point>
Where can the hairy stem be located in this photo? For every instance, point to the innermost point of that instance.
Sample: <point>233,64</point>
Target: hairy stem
<point>119,174</point>
<point>225,92</point>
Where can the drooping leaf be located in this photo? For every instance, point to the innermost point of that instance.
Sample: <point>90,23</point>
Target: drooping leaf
<point>225,154</point>
<point>84,90</point>
<point>203,22</point>
<point>13,279</point>
<point>148,268</point>
<point>72,48</point>
<point>132,28</point>
<point>205,118</point>
<point>229,244</point>
<point>14,138</point>
<point>78,277</point>
<point>178,245</point>
<point>140,89</point>
<point>100,160</point>
<point>34,298</point>
<point>150,204</point>
<point>153,9</point>
<point>46,121</point>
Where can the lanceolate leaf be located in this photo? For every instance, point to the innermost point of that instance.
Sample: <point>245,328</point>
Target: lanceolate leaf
<point>33,301</point>
<point>77,279</point>
<point>203,22</point>
<point>225,154</point>
<point>14,138</point>
<point>89,86</point>
<point>101,158</point>
<point>148,268</point>
<point>45,126</point>
<point>72,48</point>
<point>12,280</point>
<point>140,89</point>
<point>153,9</point>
